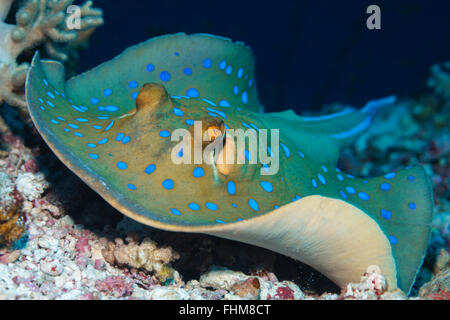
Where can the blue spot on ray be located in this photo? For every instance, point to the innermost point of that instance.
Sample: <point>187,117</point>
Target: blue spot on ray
<point>150,169</point>
<point>393,239</point>
<point>218,112</point>
<point>231,187</point>
<point>122,165</point>
<point>287,152</point>
<point>176,212</point>
<point>132,84</point>
<point>390,175</point>
<point>168,184</point>
<point>194,206</point>
<point>350,190</point>
<point>198,172</point>
<point>110,125</point>
<point>321,179</point>
<point>247,154</point>
<point>244,97</point>
<point>192,92</point>
<point>164,76</point>
<point>178,112</point>
<point>207,63</point>
<point>108,108</point>
<point>253,204</point>
<point>267,186</point>
<point>209,102</point>
<point>131,186</point>
<point>363,196</point>
<point>224,103</point>
<point>386,214</point>
<point>164,133</point>
<point>120,136</point>
<point>412,206</point>
<point>385,186</point>
<point>211,206</point>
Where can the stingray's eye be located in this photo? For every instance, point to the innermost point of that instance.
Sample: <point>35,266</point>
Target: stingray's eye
<point>150,96</point>
<point>213,132</point>
<point>212,129</point>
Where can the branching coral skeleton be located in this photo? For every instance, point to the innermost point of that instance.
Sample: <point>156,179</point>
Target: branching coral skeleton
<point>39,22</point>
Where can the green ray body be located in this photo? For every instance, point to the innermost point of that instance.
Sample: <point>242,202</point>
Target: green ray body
<point>92,123</point>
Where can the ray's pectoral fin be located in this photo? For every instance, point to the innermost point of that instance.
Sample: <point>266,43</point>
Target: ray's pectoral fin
<point>402,205</point>
<point>390,229</point>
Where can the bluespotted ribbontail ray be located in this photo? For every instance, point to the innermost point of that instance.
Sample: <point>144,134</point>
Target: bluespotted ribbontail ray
<point>112,127</point>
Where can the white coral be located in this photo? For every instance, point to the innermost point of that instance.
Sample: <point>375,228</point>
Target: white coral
<point>38,22</point>
<point>371,286</point>
<point>30,185</point>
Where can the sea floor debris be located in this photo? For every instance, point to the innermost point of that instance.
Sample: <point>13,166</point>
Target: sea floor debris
<point>75,246</point>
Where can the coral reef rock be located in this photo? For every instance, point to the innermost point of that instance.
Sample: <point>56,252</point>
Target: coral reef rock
<point>438,288</point>
<point>146,256</point>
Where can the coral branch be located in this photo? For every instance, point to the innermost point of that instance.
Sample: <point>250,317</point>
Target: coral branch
<point>40,22</point>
